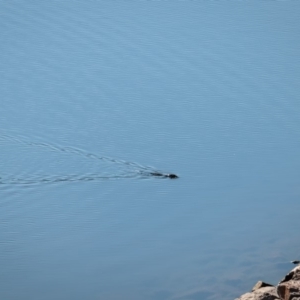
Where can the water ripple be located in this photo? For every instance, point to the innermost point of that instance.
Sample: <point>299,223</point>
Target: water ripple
<point>111,168</point>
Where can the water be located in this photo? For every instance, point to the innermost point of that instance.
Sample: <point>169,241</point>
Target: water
<point>96,96</point>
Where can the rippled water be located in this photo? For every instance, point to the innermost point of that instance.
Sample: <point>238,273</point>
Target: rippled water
<point>97,97</point>
<point>53,161</point>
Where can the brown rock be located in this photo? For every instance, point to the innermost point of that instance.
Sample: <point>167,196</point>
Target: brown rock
<point>260,284</point>
<point>263,293</point>
<point>289,287</point>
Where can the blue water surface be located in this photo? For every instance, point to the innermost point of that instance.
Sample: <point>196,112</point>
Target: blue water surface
<point>95,95</point>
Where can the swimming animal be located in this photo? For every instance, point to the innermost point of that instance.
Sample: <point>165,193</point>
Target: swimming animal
<point>158,174</point>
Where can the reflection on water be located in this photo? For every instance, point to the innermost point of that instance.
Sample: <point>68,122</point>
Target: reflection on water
<point>122,168</point>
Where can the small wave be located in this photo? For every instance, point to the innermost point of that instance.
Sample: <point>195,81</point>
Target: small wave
<point>122,169</point>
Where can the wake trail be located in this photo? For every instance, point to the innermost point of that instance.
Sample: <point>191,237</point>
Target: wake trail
<point>128,169</point>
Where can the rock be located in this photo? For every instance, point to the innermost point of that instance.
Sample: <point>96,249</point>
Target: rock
<point>263,293</point>
<point>289,287</point>
<point>260,284</point>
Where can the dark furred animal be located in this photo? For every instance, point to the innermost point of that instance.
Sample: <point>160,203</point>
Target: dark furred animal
<point>171,176</point>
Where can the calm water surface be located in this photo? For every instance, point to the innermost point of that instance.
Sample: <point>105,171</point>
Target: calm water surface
<point>95,95</point>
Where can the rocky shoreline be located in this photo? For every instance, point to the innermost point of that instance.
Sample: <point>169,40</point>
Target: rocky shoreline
<point>287,289</point>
